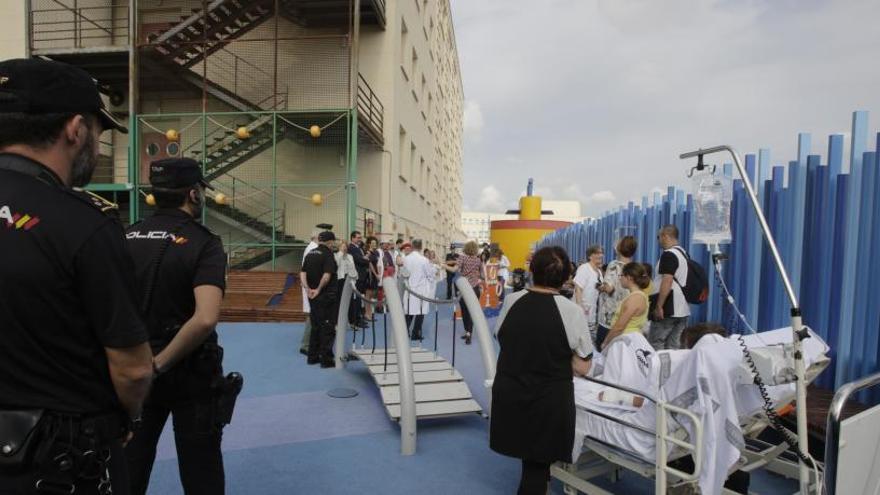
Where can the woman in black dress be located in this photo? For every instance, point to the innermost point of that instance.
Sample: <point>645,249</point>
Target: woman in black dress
<point>544,341</point>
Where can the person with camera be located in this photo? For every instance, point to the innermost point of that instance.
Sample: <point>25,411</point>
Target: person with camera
<point>180,267</point>
<point>74,358</point>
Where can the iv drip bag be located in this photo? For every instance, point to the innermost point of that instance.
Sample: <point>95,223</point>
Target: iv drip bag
<point>712,195</point>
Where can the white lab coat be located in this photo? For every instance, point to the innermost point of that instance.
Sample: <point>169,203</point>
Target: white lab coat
<point>306,307</point>
<point>422,274</point>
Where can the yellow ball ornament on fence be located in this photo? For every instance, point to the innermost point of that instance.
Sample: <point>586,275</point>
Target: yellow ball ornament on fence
<point>315,131</point>
<point>220,198</point>
<point>243,132</point>
<point>317,199</point>
<point>150,199</point>
<point>172,135</point>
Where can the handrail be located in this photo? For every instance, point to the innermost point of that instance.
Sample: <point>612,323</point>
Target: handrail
<point>481,327</point>
<point>394,306</point>
<point>621,387</point>
<point>455,298</point>
<point>342,322</point>
<point>832,429</point>
<point>115,28</point>
<point>369,104</point>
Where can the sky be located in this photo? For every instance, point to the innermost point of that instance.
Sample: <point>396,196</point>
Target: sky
<point>596,99</point>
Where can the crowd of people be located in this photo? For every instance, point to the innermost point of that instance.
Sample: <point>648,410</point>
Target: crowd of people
<point>547,335</point>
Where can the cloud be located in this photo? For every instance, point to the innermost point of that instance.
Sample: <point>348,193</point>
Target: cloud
<point>490,199</point>
<point>473,120</point>
<point>604,95</point>
<point>602,197</point>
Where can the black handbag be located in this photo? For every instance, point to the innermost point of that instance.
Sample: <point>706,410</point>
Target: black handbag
<point>19,437</point>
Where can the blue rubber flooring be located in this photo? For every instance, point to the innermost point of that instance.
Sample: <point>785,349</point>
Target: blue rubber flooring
<point>288,436</point>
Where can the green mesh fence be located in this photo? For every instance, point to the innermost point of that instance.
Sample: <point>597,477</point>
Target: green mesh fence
<point>280,174</point>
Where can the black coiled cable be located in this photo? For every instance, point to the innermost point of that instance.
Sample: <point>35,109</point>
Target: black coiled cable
<point>769,410</point>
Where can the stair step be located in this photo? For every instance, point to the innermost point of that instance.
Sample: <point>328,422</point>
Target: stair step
<point>368,352</point>
<point>428,392</point>
<point>424,357</point>
<point>429,366</point>
<point>451,375</point>
<point>439,409</point>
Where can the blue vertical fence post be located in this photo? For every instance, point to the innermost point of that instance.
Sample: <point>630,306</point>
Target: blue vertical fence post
<point>826,219</point>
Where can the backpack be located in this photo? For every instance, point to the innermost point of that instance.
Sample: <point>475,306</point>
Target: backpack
<point>696,287</point>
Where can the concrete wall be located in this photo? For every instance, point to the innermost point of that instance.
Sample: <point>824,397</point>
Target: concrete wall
<point>413,67</point>
<point>13,30</point>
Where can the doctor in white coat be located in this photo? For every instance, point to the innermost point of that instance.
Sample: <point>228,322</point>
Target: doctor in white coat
<point>422,274</point>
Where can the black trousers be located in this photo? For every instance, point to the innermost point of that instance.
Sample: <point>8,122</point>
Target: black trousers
<point>601,333</point>
<point>356,308</point>
<point>534,478</point>
<point>466,315</point>
<point>25,483</point>
<point>186,394</point>
<point>323,327</point>
<point>450,283</point>
<point>415,322</point>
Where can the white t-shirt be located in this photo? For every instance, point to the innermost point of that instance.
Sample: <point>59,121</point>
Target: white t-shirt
<point>504,268</point>
<point>573,320</point>
<point>306,307</point>
<point>680,306</point>
<point>586,278</point>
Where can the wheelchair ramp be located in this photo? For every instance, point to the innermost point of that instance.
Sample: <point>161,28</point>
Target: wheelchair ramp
<point>440,390</point>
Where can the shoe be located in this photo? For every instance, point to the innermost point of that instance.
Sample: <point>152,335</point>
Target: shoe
<point>313,361</point>
<point>416,336</point>
<point>467,338</point>
<point>328,364</point>
<point>304,352</point>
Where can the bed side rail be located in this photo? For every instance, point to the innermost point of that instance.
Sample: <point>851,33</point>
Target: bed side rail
<point>832,430</point>
<point>662,436</point>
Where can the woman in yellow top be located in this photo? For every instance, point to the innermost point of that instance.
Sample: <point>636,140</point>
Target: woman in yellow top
<point>632,314</point>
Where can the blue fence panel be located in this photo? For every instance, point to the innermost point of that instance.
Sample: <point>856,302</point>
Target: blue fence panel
<point>826,221</point>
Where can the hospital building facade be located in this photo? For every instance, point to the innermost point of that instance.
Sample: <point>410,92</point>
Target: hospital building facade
<point>347,112</point>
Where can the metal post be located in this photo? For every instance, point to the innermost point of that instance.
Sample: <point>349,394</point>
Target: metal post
<point>796,324</point>
<point>342,322</point>
<point>404,369</point>
<point>133,97</point>
<point>660,451</point>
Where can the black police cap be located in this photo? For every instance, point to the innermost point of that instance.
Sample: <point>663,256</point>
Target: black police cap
<point>326,236</point>
<point>176,173</point>
<point>36,86</point>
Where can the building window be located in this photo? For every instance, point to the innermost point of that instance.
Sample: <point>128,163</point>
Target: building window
<point>403,39</point>
<point>401,155</point>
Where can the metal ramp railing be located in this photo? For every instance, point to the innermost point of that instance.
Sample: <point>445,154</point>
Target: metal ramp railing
<point>415,383</point>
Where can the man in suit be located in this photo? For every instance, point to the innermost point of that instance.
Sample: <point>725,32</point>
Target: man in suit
<point>362,265</point>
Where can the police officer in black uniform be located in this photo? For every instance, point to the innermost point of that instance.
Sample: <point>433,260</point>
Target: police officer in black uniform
<point>74,361</point>
<point>319,275</point>
<point>181,272</point>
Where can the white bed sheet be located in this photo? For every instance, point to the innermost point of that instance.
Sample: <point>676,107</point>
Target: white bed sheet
<point>681,369</point>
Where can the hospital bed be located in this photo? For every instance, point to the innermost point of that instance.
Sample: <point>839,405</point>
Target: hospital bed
<point>610,437</point>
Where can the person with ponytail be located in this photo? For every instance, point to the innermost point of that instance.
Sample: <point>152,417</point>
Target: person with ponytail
<point>632,314</point>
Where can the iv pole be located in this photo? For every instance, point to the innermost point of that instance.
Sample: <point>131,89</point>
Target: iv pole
<point>797,327</point>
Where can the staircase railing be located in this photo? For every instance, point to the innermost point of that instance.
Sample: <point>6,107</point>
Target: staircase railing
<point>370,107</point>
<point>76,26</point>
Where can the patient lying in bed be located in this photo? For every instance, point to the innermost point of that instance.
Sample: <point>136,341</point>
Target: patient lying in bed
<point>707,380</point>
